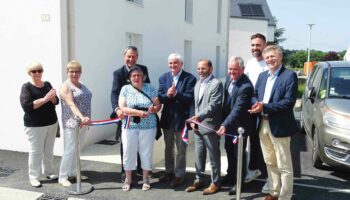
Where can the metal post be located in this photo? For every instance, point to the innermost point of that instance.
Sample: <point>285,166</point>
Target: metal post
<point>309,49</point>
<point>78,188</point>
<point>239,163</point>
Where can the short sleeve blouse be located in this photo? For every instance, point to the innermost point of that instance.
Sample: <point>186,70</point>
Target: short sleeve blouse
<point>135,99</point>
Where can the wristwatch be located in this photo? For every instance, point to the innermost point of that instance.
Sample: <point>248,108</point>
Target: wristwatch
<point>116,109</point>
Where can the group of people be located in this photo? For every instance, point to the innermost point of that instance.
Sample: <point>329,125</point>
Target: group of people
<point>38,99</point>
<point>258,97</point>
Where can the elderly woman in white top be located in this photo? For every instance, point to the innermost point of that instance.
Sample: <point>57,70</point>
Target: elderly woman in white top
<point>138,100</point>
<point>38,100</point>
<point>76,111</point>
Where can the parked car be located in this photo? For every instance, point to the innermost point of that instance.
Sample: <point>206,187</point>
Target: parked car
<point>325,114</point>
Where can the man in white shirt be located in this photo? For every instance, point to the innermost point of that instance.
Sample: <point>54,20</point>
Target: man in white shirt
<point>254,67</point>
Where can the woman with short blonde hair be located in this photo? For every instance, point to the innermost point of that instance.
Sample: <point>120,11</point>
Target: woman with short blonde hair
<point>76,111</point>
<point>38,100</point>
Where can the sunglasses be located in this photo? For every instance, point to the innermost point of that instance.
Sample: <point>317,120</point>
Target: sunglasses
<point>36,71</point>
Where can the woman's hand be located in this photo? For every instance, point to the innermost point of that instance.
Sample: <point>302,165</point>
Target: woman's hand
<point>143,114</point>
<point>85,120</point>
<point>50,96</point>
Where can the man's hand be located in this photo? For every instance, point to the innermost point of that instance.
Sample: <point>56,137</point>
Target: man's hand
<point>256,108</point>
<point>221,131</point>
<point>193,125</point>
<point>171,91</point>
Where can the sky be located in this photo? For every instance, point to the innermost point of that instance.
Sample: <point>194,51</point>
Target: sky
<point>331,31</point>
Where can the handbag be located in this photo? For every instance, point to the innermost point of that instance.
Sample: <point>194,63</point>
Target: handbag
<point>159,129</point>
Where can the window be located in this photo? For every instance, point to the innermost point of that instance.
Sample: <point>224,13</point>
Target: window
<point>189,11</point>
<point>140,2</point>
<point>218,25</point>
<point>217,61</point>
<point>323,86</point>
<point>133,39</point>
<point>188,54</point>
<point>251,10</point>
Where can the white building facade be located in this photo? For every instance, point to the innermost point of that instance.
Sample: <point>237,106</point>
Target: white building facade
<point>248,18</point>
<point>95,33</point>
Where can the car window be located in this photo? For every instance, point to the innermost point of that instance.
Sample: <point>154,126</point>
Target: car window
<point>311,79</point>
<point>340,82</point>
<point>322,93</point>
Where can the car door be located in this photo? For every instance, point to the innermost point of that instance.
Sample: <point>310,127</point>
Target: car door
<point>311,89</point>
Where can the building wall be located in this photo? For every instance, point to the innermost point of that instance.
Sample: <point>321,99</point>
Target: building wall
<point>100,39</point>
<point>30,30</point>
<point>271,33</point>
<point>239,36</point>
<point>94,32</point>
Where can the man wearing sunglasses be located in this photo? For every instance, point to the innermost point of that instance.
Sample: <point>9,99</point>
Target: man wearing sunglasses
<point>120,78</point>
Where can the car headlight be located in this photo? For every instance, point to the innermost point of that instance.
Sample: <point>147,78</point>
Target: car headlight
<point>337,120</point>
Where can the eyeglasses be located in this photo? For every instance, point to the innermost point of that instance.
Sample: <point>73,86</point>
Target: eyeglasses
<point>36,71</point>
<point>74,72</point>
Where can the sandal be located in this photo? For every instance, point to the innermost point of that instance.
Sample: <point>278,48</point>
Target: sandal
<point>127,186</point>
<point>146,185</point>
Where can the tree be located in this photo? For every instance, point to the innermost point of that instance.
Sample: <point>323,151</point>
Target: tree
<point>278,34</point>
<point>332,55</point>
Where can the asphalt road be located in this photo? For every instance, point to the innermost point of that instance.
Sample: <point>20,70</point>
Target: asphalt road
<point>309,183</point>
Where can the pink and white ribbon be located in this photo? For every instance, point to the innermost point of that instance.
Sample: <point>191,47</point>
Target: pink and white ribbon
<point>234,140</point>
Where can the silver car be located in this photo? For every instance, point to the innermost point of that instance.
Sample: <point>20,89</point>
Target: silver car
<point>325,114</point>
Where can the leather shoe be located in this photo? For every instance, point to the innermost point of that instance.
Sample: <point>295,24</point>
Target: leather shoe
<point>228,179</point>
<point>195,186</point>
<point>233,190</point>
<point>177,181</point>
<point>212,189</point>
<point>270,197</point>
<point>166,177</point>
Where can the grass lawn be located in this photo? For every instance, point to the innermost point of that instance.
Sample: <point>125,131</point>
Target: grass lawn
<point>301,86</point>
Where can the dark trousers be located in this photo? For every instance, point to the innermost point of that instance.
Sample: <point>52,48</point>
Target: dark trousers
<point>232,158</point>
<point>256,158</point>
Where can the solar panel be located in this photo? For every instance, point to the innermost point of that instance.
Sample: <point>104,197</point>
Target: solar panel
<point>251,10</point>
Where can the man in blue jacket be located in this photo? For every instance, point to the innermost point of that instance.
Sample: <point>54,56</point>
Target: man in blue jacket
<point>176,93</point>
<point>275,96</point>
<point>238,94</point>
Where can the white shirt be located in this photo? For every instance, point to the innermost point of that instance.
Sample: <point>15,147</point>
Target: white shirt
<point>254,68</point>
<point>271,79</point>
<point>204,83</point>
<point>176,77</point>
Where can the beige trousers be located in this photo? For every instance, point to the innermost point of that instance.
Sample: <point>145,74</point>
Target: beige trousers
<point>278,159</point>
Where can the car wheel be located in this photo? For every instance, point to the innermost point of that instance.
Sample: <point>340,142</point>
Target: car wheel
<point>316,159</point>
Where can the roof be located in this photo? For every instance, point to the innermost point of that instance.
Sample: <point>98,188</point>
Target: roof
<point>252,9</point>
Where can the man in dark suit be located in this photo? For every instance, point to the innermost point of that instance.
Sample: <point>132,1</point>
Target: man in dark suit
<point>120,78</point>
<point>275,96</point>
<point>176,93</point>
<point>208,94</point>
<point>238,94</point>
